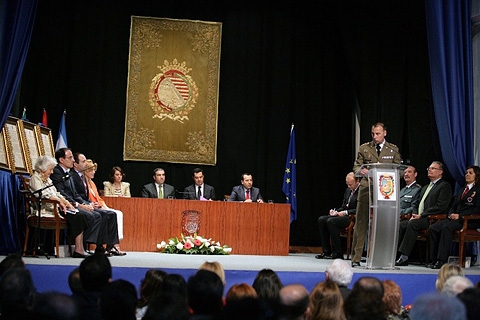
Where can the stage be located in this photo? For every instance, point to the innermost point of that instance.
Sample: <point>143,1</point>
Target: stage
<point>52,274</point>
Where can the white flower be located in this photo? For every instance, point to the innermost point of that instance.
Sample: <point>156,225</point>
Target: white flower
<point>171,242</point>
<point>212,249</point>
<point>227,250</point>
<point>179,246</point>
<point>207,244</point>
<point>161,245</point>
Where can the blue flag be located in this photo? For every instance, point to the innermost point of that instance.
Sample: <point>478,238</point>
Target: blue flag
<point>62,134</point>
<point>290,177</point>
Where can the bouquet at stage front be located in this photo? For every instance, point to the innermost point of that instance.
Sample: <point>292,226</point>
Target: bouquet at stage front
<point>193,245</point>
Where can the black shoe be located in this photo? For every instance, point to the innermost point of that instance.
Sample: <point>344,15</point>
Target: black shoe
<point>78,255</point>
<point>114,251</point>
<point>438,264</point>
<point>335,256</point>
<point>430,265</point>
<point>355,264</point>
<point>401,263</point>
<point>322,255</point>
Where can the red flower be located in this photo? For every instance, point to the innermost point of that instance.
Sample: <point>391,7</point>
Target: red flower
<point>188,245</point>
<point>197,242</point>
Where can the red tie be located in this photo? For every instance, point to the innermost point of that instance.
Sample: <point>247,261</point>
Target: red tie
<point>465,192</point>
<point>248,194</point>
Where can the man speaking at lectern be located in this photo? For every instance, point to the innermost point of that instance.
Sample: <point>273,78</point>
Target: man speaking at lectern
<point>376,151</point>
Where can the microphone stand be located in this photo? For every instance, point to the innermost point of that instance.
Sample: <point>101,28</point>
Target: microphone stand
<point>38,247</point>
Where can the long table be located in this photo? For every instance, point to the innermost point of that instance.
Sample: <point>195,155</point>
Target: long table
<point>248,228</point>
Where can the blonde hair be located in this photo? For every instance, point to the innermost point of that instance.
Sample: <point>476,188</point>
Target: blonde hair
<point>214,267</point>
<point>326,302</point>
<point>445,272</point>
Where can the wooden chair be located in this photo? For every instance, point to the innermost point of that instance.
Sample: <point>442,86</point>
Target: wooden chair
<point>348,232</point>
<point>465,235</point>
<point>56,223</point>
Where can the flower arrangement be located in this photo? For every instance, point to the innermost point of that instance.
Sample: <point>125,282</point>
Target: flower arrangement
<point>193,245</point>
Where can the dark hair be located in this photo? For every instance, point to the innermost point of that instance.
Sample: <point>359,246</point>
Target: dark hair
<point>157,169</point>
<point>76,155</point>
<point>13,260</point>
<point>196,170</point>
<point>379,124</point>
<point>245,174</point>
<point>118,300</point>
<point>95,272</point>
<point>112,173</point>
<point>60,153</point>
<point>267,284</point>
<point>476,170</point>
<point>204,293</point>
<point>150,285</point>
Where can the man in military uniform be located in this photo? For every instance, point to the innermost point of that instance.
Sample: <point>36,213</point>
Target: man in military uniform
<point>376,151</point>
<point>409,194</point>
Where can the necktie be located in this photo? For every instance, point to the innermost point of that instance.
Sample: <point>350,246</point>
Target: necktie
<point>199,193</point>
<point>420,206</point>
<point>160,192</point>
<point>378,149</point>
<point>350,198</point>
<point>465,192</point>
<point>248,194</point>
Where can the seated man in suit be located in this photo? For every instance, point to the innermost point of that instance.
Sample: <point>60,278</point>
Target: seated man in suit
<point>246,192</point>
<point>331,224</point>
<point>435,199</point>
<point>158,188</point>
<point>409,195</point>
<point>199,190</point>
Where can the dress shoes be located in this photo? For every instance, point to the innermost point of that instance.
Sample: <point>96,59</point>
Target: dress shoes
<point>78,255</point>
<point>114,251</point>
<point>355,264</point>
<point>322,255</point>
<point>334,256</point>
<point>430,265</point>
<point>438,264</point>
<point>401,262</point>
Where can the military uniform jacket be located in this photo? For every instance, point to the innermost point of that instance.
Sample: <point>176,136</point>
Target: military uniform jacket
<point>409,196</point>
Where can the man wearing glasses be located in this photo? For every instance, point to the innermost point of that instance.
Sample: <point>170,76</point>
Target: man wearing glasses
<point>434,199</point>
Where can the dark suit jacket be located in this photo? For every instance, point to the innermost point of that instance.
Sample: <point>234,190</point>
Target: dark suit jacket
<point>437,200</point>
<point>238,194</point>
<point>469,204</point>
<point>79,186</point>
<point>191,192</point>
<point>150,191</point>
<point>409,197</point>
<point>350,206</point>
<point>67,187</point>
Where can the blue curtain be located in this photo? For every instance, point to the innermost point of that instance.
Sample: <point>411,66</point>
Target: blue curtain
<point>450,52</point>
<point>16,25</point>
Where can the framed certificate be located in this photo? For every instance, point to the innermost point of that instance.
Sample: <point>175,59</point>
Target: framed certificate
<point>44,136</point>
<point>31,144</point>
<point>16,150</point>
<point>4,154</point>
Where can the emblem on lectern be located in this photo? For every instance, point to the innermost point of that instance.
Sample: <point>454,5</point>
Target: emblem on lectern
<point>190,222</point>
<point>386,186</point>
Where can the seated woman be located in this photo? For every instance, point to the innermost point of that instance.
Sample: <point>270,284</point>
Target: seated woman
<point>116,187</point>
<point>98,202</point>
<point>77,223</point>
<point>440,234</point>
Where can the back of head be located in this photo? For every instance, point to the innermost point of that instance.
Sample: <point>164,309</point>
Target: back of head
<point>326,301</point>
<point>204,292</point>
<point>392,296</point>
<point>365,300</point>
<point>455,285</point>
<point>74,282</point>
<point>214,267</point>
<point>55,306</point>
<point>167,306</point>
<point>446,271</point>
<point>439,307</point>
<point>16,290</point>
<point>471,299</point>
<point>150,285</point>
<point>174,283</point>
<point>267,284</point>
<point>340,272</point>
<point>240,291</point>
<point>13,260</point>
<point>95,272</point>
<point>246,308</point>
<point>118,301</point>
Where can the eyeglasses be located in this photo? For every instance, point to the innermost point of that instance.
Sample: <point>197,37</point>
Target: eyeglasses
<point>432,168</point>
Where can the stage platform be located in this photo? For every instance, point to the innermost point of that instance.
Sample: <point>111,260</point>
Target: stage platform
<point>52,274</point>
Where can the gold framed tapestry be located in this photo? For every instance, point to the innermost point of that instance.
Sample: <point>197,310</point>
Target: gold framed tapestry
<point>172,91</point>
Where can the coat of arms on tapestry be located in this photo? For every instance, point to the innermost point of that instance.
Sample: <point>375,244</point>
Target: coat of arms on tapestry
<point>172,91</point>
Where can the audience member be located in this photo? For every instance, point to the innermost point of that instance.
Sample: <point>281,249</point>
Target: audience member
<point>267,284</point>
<point>365,300</point>
<point>158,188</point>
<point>61,178</point>
<point>409,195</point>
<point>95,274</point>
<point>446,271</point>
<point>149,286</point>
<point>116,187</point>
<point>109,228</point>
<point>471,299</point>
<point>246,192</point>
<point>199,190</point>
<point>118,301</point>
<point>175,283</point>
<point>377,150</point>
<point>434,199</point>
<point>340,272</point>
<point>434,306</point>
<point>54,305</point>
<point>17,294</point>
<point>216,267</point>
<point>332,224</point>
<point>392,297</point>
<point>74,282</point>
<point>98,203</point>
<point>77,223</point>
<point>455,285</point>
<point>205,294</point>
<point>13,260</point>
<point>246,308</point>
<point>326,302</point>
<point>240,291</point>
<point>167,306</point>
<point>440,234</point>
<point>294,302</point>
